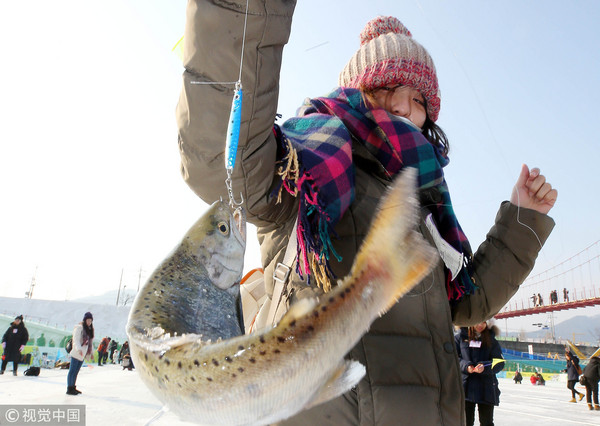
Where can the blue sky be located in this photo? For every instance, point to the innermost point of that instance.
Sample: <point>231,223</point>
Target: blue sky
<point>89,164</point>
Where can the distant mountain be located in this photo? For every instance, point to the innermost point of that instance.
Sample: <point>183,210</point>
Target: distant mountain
<point>581,328</point>
<point>63,315</point>
<point>126,298</point>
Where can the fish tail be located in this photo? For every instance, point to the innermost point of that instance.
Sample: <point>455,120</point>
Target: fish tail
<point>394,250</point>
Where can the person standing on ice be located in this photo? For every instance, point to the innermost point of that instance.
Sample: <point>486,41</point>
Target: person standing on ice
<point>83,335</point>
<point>477,347</point>
<point>13,343</point>
<point>327,168</point>
<point>573,371</point>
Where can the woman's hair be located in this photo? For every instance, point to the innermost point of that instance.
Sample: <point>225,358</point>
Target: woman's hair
<point>432,132</point>
<point>89,330</point>
<point>486,336</point>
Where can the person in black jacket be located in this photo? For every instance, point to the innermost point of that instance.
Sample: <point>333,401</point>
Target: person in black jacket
<point>591,372</point>
<point>573,371</point>
<point>13,342</point>
<point>518,377</point>
<point>477,347</point>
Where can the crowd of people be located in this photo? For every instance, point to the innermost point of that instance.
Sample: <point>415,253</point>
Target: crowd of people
<point>79,349</point>
<point>538,300</point>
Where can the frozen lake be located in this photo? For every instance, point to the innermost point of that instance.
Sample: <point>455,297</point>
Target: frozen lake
<point>113,396</point>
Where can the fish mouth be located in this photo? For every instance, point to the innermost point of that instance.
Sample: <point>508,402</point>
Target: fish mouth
<point>239,219</point>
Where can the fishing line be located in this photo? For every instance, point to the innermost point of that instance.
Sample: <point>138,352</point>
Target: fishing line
<point>414,294</point>
<point>485,118</point>
<point>235,118</point>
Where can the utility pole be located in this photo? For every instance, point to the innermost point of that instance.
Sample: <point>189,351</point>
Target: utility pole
<point>29,294</point>
<point>119,292</point>
<point>139,279</point>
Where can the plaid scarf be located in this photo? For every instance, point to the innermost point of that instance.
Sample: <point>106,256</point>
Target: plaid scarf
<point>316,165</point>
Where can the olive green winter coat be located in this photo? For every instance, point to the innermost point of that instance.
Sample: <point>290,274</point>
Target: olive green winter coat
<point>413,375</point>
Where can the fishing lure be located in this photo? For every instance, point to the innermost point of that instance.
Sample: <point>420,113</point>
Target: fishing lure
<point>233,128</point>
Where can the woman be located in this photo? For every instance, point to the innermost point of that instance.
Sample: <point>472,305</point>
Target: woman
<point>573,371</point>
<point>83,335</point>
<point>477,347</point>
<point>13,343</point>
<point>591,372</point>
<point>349,146</point>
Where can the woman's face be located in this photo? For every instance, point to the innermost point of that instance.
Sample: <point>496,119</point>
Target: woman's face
<point>480,327</point>
<point>88,322</point>
<point>404,101</point>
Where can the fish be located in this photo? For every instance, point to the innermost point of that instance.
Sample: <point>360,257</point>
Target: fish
<point>269,375</point>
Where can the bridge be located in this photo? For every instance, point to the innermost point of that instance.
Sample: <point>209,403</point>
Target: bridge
<point>572,284</point>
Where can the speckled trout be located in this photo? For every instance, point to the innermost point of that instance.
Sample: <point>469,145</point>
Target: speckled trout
<point>185,327</point>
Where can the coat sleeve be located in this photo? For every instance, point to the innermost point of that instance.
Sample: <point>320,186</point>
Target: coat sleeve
<point>212,48</point>
<point>25,336</point>
<point>77,343</point>
<point>463,362</point>
<point>503,261</point>
<point>496,352</point>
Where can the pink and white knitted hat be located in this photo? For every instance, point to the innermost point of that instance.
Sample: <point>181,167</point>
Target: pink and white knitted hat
<point>389,55</point>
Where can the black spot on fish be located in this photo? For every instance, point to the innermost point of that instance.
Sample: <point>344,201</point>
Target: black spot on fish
<point>281,339</point>
<point>331,300</point>
<point>196,363</point>
<point>193,379</point>
<point>228,359</point>
<point>252,360</point>
<point>146,357</point>
<point>347,290</point>
<point>215,362</point>
<point>179,384</point>
<point>263,352</point>
<point>209,379</point>
<point>161,356</point>
<point>179,364</point>
<point>343,295</point>
<point>241,348</point>
<point>276,351</point>
<point>167,362</point>
<point>147,306</point>
<point>262,339</point>
<point>316,314</point>
<point>240,369</point>
<point>234,375</point>
<point>293,323</point>
<point>166,378</point>
<point>156,368</point>
<point>310,328</point>
<point>324,308</point>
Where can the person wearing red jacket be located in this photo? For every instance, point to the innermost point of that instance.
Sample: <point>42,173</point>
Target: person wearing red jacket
<point>102,351</point>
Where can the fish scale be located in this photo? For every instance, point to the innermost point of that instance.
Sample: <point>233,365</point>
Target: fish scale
<point>268,376</point>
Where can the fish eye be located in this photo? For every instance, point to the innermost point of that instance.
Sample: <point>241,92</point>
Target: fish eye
<point>223,227</point>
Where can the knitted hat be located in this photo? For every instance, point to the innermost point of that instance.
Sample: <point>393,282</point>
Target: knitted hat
<point>389,55</point>
<point>88,315</point>
<point>20,317</point>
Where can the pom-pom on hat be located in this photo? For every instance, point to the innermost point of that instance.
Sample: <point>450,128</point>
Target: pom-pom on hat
<point>88,315</point>
<point>389,55</point>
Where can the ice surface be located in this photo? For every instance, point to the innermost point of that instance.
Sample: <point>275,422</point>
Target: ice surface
<point>116,396</point>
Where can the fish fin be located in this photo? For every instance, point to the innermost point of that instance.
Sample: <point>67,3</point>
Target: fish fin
<point>299,309</point>
<point>343,378</point>
<point>394,247</point>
